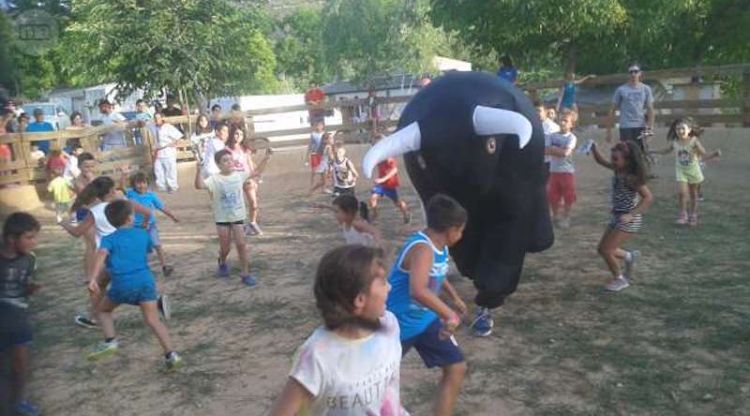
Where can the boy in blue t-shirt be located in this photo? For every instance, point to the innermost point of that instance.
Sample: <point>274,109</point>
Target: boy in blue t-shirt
<point>139,193</point>
<point>126,255</point>
<point>417,277</point>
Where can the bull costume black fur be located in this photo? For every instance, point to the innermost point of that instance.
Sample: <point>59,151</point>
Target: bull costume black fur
<point>478,139</point>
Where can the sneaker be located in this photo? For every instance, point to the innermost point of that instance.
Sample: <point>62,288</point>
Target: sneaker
<point>617,284</point>
<point>173,361</point>
<point>25,408</point>
<point>167,270</point>
<point>254,226</point>
<point>693,221</point>
<point>682,219</point>
<point>249,280</point>
<point>103,350</point>
<point>483,323</point>
<point>163,305</point>
<point>407,217</point>
<point>629,264</point>
<point>85,322</point>
<point>223,270</point>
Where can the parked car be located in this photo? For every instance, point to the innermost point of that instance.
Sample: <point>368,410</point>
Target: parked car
<point>53,114</point>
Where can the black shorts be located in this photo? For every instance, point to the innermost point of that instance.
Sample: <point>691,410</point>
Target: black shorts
<point>343,191</point>
<point>15,329</point>
<point>435,351</point>
<point>229,224</point>
<point>632,133</point>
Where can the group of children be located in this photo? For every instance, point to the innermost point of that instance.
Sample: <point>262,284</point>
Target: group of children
<point>630,194</point>
<point>371,318</point>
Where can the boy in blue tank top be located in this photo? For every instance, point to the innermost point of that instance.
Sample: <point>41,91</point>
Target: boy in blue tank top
<point>427,323</point>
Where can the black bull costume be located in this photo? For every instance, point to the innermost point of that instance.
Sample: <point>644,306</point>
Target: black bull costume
<point>478,139</point>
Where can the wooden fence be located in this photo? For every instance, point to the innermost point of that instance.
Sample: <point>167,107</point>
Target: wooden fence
<point>23,169</point>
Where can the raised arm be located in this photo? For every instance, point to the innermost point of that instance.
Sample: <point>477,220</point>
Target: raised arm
<point>599,158</point>
<point>584,79</point>
<point>198,182</point>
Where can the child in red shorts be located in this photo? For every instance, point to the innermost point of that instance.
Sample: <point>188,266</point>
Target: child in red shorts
<point>561,186</point>
<point>314,153</point>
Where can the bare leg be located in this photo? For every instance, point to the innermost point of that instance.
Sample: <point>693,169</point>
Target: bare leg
<point>251,192</point>
<point>106,321</point>
<point>374,206</point>
<point>242,249</point>
<point>693,191</point>
<point>151,317</point>
<point>224,234</point>
<point>609,249</point>
<point>96,298</point>
<point>160,255</point>
<point>682,196</point>
<point>450,385</point>
<point>566,210</point>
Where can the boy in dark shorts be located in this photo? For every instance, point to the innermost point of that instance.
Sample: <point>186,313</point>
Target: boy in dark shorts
<point>427,323</point>
<point>125,253</point>
<point>17,265</point>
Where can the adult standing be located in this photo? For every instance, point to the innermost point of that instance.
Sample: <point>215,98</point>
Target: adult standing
<point>507,71</point>
<point>142,116</point>
<point>567,97</point>
<point>114,139</point>
<point>40,126</point>
<point>636,104</point>
<point>315,98</point>
<point>165,154</point>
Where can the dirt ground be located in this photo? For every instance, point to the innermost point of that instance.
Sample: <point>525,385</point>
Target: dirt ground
<point>675,343</point>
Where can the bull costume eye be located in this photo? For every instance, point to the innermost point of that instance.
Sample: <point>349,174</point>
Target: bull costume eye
<point>491,145</point>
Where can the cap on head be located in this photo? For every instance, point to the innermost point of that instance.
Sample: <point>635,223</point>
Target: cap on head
<point>38,112</point>
<point>634,68</point>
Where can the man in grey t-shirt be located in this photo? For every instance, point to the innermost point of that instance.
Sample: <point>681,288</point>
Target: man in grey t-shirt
<point>636,104</point>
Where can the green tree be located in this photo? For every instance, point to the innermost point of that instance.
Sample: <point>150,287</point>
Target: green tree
<point>300,50</point>
<point>203,47</point>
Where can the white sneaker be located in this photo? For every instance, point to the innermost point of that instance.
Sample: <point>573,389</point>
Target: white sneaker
<point>618,284</point>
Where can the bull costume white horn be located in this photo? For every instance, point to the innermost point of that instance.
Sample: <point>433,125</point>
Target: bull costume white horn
<point>490,121</point>
<point>408,139</point>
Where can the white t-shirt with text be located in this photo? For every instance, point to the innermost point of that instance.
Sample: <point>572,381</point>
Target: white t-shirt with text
<point>352,377</point>
<point>227,196</point>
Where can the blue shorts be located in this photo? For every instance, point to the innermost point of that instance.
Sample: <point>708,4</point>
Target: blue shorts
<point>391,193</point>
<point>81,214</point>
<point>435,351</point>
<point>153,232</point>
<point>15,329</point>
<point>133,294</point>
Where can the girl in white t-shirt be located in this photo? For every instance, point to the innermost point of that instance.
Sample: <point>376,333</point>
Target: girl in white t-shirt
<point>350,365</point>
<point>242,157</point>
<point>96,195</point>
<point>200,136</point>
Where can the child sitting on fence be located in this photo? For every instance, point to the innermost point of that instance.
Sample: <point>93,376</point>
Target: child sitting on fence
<point>351,364</point>
<point>125,252</point>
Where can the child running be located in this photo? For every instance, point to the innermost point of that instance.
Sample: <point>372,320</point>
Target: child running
<point>351,364</point>
<point>62,192</point>
<point>427,323</point>
<point>125,252</point>
<point>683,140</point>
<point>326,158</point>
<point>386,184</point>
<point>17,266</point>
<point>630,198</point>
<point>140,193</point>
<point>225,189</point>
<point>344,173</point>
<point>561,186</point>
<point>352,216</point>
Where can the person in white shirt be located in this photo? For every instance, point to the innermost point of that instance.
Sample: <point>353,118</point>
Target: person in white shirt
<point>212,146</point>
<point>165,153</point>
<point>114,139</point>
<point>351,364</point>
<point>549,127</point>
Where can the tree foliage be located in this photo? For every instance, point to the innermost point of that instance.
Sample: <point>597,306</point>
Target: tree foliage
<point>207,47</point>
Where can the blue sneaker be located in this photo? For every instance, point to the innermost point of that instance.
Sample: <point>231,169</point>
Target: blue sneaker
<point>223,270</point>
<point>249,280</point>
<point>24,408</point>
<point>483,323</point>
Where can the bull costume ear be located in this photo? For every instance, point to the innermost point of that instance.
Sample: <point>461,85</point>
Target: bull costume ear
<point>490,121</point>
<point>408,139</point>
